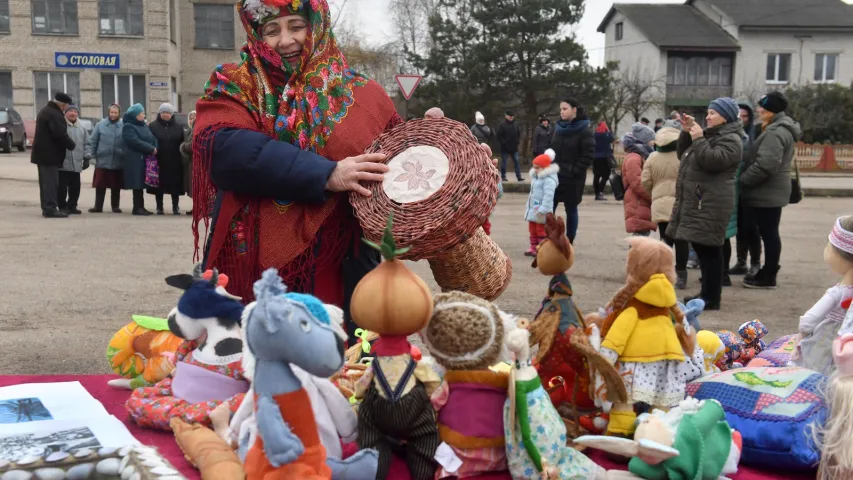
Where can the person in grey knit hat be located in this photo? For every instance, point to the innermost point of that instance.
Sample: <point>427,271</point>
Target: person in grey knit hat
<point>169,137</point>
<point>705,191</point>
<point>643,133</point>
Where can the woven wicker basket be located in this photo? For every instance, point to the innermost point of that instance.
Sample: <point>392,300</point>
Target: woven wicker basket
<point>477,266</point>
<point>451,215</point>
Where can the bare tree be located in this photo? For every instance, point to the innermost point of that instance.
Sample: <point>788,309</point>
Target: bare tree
<point>643,90</point>
<point>411,19</point>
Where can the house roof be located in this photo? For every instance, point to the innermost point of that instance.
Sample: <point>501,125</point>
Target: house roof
<point>832,14</point>
<point>674,26</point>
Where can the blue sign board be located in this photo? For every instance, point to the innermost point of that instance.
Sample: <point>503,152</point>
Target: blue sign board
<point>87,60</point>
<point>158,84</point>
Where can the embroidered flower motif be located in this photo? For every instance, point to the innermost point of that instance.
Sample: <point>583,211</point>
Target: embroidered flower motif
<point>416,178</point>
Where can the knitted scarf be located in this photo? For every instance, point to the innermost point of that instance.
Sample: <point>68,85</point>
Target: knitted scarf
<point>320,105</point>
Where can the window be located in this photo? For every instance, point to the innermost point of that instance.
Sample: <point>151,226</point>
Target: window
<point>121,17</point>
<point>173,22</point>
<point>55,17</point>
<point>824,67</point>
<point>125,90</point>
<point>5,89</point>
<point>173,99</point>
<point>778,67</point>
<point>48,84</point>
<point>699,71</point>
<point>214,26</point>
<point>619,31</point>
<point>4,16</point>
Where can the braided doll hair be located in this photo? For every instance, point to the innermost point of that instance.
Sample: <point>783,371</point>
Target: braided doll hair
<point>646,257</point>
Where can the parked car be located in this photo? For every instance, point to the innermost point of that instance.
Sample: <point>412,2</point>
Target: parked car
<point>12,131</point>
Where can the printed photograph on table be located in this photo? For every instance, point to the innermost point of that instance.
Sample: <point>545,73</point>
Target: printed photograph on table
<point>21,410</point>
<point>16,447</point>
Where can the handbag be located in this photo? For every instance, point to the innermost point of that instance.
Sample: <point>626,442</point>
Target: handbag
<point>152,171</point>
<point>616,185</point>
<point>796,187</point>
<point>612,163</point>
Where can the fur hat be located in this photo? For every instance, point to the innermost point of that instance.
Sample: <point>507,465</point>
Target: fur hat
<point>166,107</point>
<point>544,160</point>
<point>465,332</point>
<point>62,98</point>
<point>135,109</point>
<point>666,136</point>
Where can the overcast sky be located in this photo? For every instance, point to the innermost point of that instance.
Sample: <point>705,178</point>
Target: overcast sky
<point>376,23</point>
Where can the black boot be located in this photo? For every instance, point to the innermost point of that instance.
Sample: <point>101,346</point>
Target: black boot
<point>100,194</point>
<point>139,204</point>
<point>765,279</point>
<point>115,200</point>
<point>739,268</point>
<point>681,281</point>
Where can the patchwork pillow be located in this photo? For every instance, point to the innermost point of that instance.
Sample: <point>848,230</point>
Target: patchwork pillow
<point>773,409</point>
<point>777,354</point>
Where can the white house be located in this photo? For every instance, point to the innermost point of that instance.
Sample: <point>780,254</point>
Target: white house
<point>705,49</point>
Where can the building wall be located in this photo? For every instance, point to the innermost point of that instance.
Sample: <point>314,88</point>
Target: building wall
<point>717,16</point>
<point>152,55</point>
<point>197,64</point>
<point>634,53</point>
<point>751,61</point>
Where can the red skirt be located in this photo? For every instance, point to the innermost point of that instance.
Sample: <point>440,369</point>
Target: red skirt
<point>105,178</point>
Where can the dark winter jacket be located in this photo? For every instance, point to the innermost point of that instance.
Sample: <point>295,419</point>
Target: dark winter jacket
<point>139,142</point>
<point>169,137</point>
<point>51,140</point>
<point>107,145</point>
<point>483,133</point>
<point>574,144</point>
<point>187,154</point>
<point>766,178</point>
<point>748,138</point>
<point>509,135</point>
<point>638,202</point>
<point>603,145</point>
<point>542,139</point>
<point>705,191</point>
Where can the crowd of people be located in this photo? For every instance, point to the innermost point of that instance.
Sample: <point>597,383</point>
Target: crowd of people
<point>127,152</point>
<point>698,187</point>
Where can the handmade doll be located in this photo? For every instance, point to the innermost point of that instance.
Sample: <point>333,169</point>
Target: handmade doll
<point>465,336</point>
<point>645,335</point>
<point>142,352</point>
<point>335,419</point>
<point>690,441</point>
<point>557,319</point>
<point>535,434</point>
<point>713,350</point>
<point>285,329</point>
<point>396,412</point>
<point>820,325</point>
<point>833,436</point>
<point>208,367</point>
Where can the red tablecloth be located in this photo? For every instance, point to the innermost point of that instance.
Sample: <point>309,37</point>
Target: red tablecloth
<point>114,399</point>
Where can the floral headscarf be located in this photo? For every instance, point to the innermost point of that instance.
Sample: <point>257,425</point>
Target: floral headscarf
<point>305,101</point>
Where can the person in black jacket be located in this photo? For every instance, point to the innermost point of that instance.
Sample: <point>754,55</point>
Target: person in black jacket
<point>574,143</point>
<point>601,165</point>
<point>169,137</point>
<point>509,135</point>
<point>542,136</point>
<point>49,146</point>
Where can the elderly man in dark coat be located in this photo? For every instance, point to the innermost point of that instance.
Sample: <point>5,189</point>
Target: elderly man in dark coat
<point>49,146</point>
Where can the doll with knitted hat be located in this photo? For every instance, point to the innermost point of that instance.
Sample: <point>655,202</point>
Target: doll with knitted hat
<point>820,325</point>
<point>396,413</point>
<point>540,202</point>
<point>465,336</point>
<point>646,336</point>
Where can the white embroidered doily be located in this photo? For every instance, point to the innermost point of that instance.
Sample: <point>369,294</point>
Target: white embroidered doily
<point>416,174</point>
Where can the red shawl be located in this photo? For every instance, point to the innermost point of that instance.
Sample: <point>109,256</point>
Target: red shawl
<point>322,106</point>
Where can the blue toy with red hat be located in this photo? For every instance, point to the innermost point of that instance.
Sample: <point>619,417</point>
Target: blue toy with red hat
<point>543,184</point>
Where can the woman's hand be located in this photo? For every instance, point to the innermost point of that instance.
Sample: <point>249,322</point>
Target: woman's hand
<point>155,152</point>
<point>350,171</point>
<point>688,122</point>
<point>696,132</point>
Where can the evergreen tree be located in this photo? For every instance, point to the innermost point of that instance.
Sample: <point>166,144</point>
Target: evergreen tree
<point>493,55</point>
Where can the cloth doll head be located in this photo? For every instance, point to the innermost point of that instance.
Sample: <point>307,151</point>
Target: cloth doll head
<point>712,346</point>
<point>555,254</point>
<point>833,437</point>
<point>839,251</point>
<point>205,304</point>
<point>465,332</point>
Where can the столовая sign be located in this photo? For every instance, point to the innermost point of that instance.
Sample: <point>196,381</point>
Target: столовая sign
<point>87,60</point>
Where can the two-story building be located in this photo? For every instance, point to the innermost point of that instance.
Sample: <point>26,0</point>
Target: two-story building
<point>113,51</point>
<point>703,49</point>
